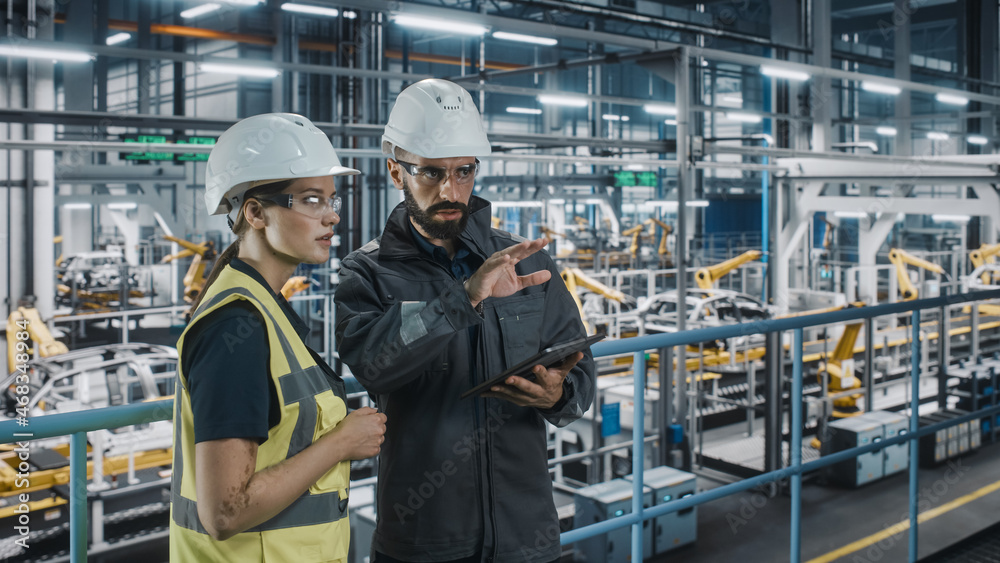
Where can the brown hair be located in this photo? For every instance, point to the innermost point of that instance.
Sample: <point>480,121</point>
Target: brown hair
<point>240,228</point>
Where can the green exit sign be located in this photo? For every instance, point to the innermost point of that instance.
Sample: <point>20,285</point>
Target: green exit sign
<point>145,156</point>
<point>625,179</point>
<point>148,155</point>
<point>194,156</point>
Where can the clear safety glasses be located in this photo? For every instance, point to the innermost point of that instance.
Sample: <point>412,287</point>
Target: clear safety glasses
<point>433,176</point>
<point>311,205</point>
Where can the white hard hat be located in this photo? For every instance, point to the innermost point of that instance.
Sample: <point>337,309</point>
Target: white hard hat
<point>270,146</point>
<point>435,118</point>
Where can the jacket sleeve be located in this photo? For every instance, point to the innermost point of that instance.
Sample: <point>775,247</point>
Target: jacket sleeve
<point>386,347</point>
<point>562,322</point>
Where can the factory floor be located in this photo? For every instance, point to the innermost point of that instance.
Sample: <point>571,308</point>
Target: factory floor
<point>843,525</point>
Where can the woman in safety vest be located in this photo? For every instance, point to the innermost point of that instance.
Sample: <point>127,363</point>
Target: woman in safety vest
<point>262,437</point>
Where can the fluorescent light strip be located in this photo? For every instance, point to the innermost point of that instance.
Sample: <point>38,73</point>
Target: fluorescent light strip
<point>123,205</point>
<point>850,214</point>
<point>657,109</point>
<point>880,88</point>
<point>118,38</point>
<point>349,14</point>
<point>697,203</point>
<point>937,136</point>
<point>311,10</point>
<point>546,41</point>
<point>76,206</point>
<point>253,72</point>
<point>613,117</point>
<point>787,74</point>
<point>527,111</point>
<point>670,122</point>
<point>245,2</point>
<point>443,26</point>
<point>886,131</point>
<point>58,55</point>
<point>944,218</point>
<point>951,99</point>
<point>977,140</point>
<point>744,117</point>
<point>556,100</point>
<point>198,11</point>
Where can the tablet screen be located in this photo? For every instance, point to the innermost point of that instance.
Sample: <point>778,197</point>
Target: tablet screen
<point>551,356</point>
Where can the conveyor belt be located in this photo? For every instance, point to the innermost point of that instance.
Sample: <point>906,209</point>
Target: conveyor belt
<point>983,547</point>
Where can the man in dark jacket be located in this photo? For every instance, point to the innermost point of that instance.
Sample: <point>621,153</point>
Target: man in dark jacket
<point>437,304</point>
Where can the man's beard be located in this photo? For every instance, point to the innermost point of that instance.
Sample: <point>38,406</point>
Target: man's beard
<point>424,218</point>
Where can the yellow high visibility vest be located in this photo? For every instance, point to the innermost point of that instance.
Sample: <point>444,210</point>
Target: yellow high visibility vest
<point>315,527</point>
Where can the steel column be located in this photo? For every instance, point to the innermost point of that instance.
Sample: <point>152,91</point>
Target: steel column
<point>914,427</point>
<point>638,447</point>
<point>78,498</point>
<point>796,448</point>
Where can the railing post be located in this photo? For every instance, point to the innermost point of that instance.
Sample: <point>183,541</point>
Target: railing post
<point>78,498</point>
<point>914,427</point>
<point>796,448</point>
<point>638,447</point>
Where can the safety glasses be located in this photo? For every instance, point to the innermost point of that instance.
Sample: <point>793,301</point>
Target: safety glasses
<point>433,176</point>
<point>311,205</point>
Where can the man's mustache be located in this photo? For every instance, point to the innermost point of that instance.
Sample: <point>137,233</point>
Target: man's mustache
<point>447,206</point>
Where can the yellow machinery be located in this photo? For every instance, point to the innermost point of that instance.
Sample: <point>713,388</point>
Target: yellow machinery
<point>294,285</point>
<point>636,233</point>
<point>575,278</point>
<point>28,319</point>
<point>667,229</point>
<point>194,279</point>
<point>984,255</point>
<point>707,276</point>
<point>841,377</point>
<point>899,258</point>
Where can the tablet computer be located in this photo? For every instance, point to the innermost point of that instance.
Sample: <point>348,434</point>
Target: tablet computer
<point>551,356</point>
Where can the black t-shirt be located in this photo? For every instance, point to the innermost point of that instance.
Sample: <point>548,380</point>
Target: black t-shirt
<point>227,367</point>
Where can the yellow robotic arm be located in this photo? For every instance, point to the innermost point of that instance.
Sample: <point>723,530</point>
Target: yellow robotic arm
<point>984,255</point>
<point>707,276</point>
<point>194,279</point>
<point>899,258</point>
<point>634,232</point>
<point>27,318</point>
<point>667,229</point>
<point>575,278</point>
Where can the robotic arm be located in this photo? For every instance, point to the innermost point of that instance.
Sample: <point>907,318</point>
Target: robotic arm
<point>707,276</point>
<point>899,258</point>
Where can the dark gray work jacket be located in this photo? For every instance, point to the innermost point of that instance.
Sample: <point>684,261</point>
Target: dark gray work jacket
<point>456,476</point>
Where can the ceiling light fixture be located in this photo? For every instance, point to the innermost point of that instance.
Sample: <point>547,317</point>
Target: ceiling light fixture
<point>659,109</point>
<point>850,214</point>
<point>951,99</point>
<point>670,122</point>
<point>744,117</point>
<point>546,41</point>
<point>76,206</point>
<point>937,136</point>
<point>945,218</point>
<point>886,131</point>
<point>613,117</point>
<point>349,14</point>
<point>118,38</point>
<point>527,111</point>
<point>199,11</point>
<point>786,73</point>
<point>123,205</point>
<point>880,88</point>
<point>311,10</point>
<point>55,55</point>
<point>248,71</point>
<point>558,100</point>
<point>443,26</point>
<point>977,140</point>
<point>697,203</point>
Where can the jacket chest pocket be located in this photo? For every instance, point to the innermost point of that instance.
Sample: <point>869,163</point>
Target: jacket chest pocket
<point>520,326</point>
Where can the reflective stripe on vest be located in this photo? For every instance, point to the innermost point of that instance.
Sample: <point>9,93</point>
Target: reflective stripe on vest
<point>299,386</point>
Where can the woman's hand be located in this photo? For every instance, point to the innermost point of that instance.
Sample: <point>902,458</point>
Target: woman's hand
<point>359,435</point>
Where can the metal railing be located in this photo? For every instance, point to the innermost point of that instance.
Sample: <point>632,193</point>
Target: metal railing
<point>78,424</point>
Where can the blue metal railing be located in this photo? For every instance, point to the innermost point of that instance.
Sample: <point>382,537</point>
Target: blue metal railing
<point>79,423</point>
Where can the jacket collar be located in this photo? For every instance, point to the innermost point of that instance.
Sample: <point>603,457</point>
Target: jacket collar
<point>397,237</point>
